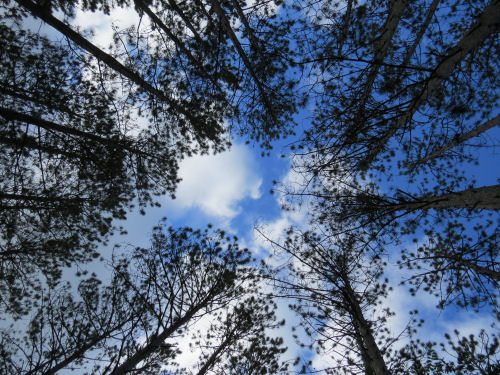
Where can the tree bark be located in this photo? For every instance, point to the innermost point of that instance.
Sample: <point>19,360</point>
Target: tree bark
<point>421,32</point>
<point>488,22</point>
<point>12,115</point>
<point>186,20</point>
<point>28,142</point>
<point>241,15</point>
<point>215,355</point>
<point>345,27</point>
<point>485,271</point>
<point>227,26</point>
<point>157,21</point>
<point>381,46</point>
<point>76,355</point>
<point>41,199</point>
<point>485,198</point>
<point>458,140</point>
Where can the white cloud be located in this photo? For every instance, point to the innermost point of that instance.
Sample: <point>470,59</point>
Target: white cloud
<point>216,183</point>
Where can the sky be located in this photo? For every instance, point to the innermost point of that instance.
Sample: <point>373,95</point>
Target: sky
<point>231,190</point>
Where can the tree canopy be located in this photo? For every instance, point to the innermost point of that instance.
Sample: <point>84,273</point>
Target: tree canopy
<point>398,102</point>
<point>88,134</point>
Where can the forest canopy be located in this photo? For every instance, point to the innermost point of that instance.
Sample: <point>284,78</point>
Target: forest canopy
<point>389,109</point>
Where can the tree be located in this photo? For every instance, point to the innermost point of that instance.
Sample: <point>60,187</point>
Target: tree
<point>380,84</point>
<point>239,344</point>
<point>203,61</point>
<point>64,330</point>
<point>75,158</point>
<point>136,322</point>
<point>465,355</point>
<point>334,286</point>
<point>394,131</point>
<point>66,173</point>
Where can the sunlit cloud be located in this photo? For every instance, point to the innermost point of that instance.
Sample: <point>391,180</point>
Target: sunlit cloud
<point>215,184</point>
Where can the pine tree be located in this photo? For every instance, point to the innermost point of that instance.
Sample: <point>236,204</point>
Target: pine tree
<point>334,284</point>
<point>154,299</point>
<point>75,158</point>
<point>394,131</point>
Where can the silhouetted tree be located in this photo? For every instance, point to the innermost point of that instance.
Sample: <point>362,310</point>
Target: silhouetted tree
<point>334,284</point>
<point>154,299</point>
<point>393,130</point>
<point>87,132</point>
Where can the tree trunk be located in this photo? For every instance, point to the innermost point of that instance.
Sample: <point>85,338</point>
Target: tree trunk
<point>76,355</point>
<point>458,140</point>
<point>186,20</point>
<point>421,32</point>
<point>158,22</point>
<point>28,142</point>
<point>131,362</point>
<point>227,26</point>
<point>381,46</point>
<point>372,357</point>
<point>487,23</point>
<point>485,198</point>
<point>345,27</point>
<point>484,271</point>
<point>41,199</point>
<point>215,355</point>
<point>12,115</point>
<point>241,15</point>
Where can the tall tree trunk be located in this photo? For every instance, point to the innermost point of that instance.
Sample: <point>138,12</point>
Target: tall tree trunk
<point>487,23</point>
<point>381,46</point>
<point>215,355</point>
<point>372,356</point>
<point>31,143</point>
<point>345,27</point>
<point>485,271</point>
<point>459,140</point>
<point>42,199</point>
<point>12,115</point>
<point>241,15</point>
<point>11,91</point>
<point>187,21</point>
<point>421,32</point>
<point>227,26</point>
<point>466,263</point>
<point>158,22</point>
<point>75,355</point>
